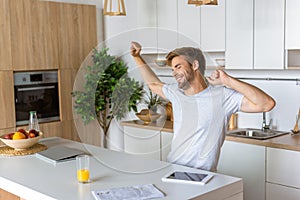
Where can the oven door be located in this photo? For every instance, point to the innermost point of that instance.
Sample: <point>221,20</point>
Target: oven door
<point>42,98</point>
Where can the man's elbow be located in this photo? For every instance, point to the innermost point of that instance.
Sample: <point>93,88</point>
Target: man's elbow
<point>269,105</point>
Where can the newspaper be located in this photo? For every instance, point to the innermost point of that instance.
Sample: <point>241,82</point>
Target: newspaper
<point>141,192</point>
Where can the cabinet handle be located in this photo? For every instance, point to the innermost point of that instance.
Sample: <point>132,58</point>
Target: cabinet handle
<point>35,88</point>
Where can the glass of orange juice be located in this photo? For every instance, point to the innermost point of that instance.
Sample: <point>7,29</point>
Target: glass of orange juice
<point>83,168</point>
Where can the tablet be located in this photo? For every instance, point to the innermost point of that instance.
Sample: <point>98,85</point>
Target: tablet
<point>187,177</point>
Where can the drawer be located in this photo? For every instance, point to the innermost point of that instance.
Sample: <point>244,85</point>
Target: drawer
<point>283,167</point>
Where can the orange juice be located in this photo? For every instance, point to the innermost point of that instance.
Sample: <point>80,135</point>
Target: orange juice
<point>83,175</point>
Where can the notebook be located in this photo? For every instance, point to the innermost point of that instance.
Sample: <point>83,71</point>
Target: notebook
<point>58,154</point>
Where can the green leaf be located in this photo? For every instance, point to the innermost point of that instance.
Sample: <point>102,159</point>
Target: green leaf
<point>108,90</point>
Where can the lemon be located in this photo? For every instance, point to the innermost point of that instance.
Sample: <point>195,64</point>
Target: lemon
<point>18,135</point>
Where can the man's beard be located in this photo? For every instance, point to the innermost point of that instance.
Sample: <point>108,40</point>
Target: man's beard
<point>184,85</point>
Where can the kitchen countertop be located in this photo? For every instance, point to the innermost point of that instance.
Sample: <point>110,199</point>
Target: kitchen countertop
<point>159,125</point>
<point>288,141</point>
<point>33,179</point>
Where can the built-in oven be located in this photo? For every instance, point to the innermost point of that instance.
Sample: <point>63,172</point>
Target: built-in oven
<point>37,91</point>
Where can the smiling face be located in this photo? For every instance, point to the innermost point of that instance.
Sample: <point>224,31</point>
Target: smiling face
<point>182,72</point>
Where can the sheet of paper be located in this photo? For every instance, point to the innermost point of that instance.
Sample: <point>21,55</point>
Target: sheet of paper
<point>141,192</point>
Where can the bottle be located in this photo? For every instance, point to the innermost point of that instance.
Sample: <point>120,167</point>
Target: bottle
<point>33,121</point>
<point>233,122</point>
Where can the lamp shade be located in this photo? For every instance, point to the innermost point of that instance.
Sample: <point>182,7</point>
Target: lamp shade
<point>114,8</point>
<point>203,2</point>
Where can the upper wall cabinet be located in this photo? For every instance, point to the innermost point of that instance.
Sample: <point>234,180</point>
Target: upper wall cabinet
<point>167,36</point>
<point>33,33</point>
<point>255,39</point>
<point>51,35</point>
<point>146,25</point>
<point>77,33</point>
<point>292,24</point>
<point>269,34</point>
<point>292,39</point>
<point>239,34</point>
<point>157,25</point>
<point>5,41</point>
<point>188,24</point>
<point>212,30</point>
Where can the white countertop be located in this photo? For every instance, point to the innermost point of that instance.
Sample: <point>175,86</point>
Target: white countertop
<point>32,178</point>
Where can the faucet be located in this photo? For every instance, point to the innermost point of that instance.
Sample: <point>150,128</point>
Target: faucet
<point>266,126</point>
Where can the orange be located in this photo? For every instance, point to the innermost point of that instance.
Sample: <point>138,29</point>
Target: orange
<point>18,135</point>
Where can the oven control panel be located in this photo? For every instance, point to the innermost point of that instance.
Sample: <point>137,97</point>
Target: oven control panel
<point>29,78</point>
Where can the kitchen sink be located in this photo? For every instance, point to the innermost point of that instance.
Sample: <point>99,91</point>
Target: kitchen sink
<point>256,133</point>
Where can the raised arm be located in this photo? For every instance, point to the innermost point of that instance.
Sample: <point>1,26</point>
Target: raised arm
<point>148,75</point>
<point>255,100</point>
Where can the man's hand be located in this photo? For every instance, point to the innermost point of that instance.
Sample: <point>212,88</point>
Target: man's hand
<point>218,77</point>
<point>135,49</point>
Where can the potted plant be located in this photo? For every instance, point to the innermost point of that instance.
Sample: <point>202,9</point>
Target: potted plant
<point>152,101</point>
<point>108,91</point>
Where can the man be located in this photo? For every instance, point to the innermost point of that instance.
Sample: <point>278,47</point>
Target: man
<point>201,111</point>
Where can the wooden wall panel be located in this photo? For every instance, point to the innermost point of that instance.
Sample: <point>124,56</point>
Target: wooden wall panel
<point>77,34</point>
<point>52,129</point>
<point>5,41</point>
<point>7,102</point>
<point>66,82</point>
<point>34,42</point>
<point>69,131</point>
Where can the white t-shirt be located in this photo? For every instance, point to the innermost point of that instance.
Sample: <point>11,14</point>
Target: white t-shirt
<point>200,123</point>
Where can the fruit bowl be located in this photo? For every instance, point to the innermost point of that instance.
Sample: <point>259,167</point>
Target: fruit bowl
<point>147,116</point>
<point>21,144</point>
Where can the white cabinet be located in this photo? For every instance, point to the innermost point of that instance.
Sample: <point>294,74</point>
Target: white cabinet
<point>146,25</point>
<point>280,192</point>
<point>166,141</point>
<point>282,174</point>
<point>239,34</point>
<point>202,26</point>
<point>147,143</point>
<point>188,24</point>
<point>269,34</point>
<point>167,36</point>
<point>247,162</point>
<point>142,142</point>
<point>255,34</point>
<point>292,32</point>
<point>213,27</point>
<point>292,24</point>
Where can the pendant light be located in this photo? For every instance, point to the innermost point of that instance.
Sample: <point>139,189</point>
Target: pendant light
<point>114,10</point>
<point>203,2</point>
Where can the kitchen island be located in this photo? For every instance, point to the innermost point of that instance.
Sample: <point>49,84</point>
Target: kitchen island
<point>32,178</point>
<point>262,164</point>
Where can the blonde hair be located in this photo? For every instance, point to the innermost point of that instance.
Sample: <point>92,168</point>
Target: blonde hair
<point>190,54</point>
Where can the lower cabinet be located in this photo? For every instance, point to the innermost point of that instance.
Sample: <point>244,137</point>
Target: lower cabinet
<point>147,143</point>
<point>247,162</point>
<point>166,141</point>
<point>142,142</point>
<point>280,192</point>
<point>283,174</point>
